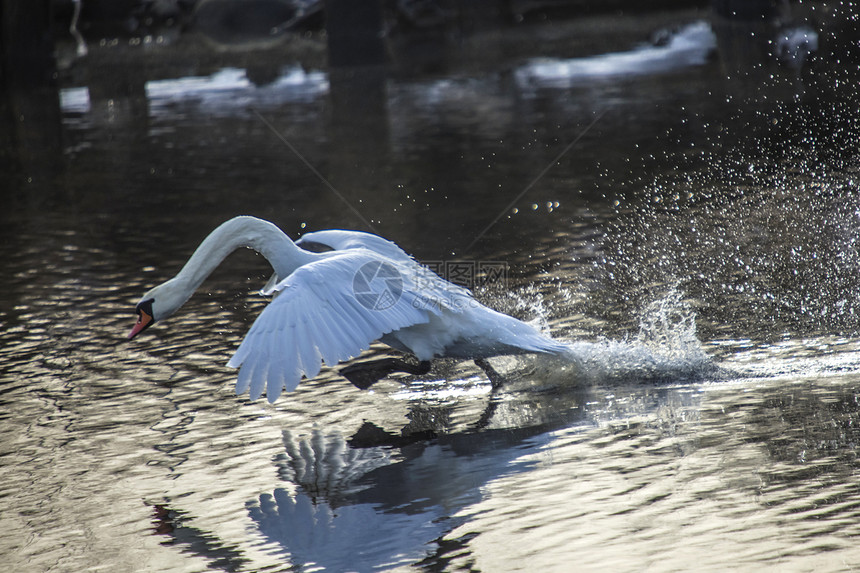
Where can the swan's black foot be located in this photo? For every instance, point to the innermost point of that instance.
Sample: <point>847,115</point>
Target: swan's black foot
<point>495,378</point>
<point>366,374</point>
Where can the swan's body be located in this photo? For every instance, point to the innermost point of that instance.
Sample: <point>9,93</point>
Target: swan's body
<point>331,306</point>
<point>465,328</point>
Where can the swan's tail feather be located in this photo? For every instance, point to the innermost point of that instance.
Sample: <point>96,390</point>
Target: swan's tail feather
<point>545,345</point>
<point>525,337</point>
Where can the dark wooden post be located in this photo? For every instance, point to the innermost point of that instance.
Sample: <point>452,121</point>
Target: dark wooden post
<point>26,45</point>
<point>354,29</point>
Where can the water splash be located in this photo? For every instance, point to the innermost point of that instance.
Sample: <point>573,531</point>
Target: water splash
<point>667,326</point>
<point>758,221</point>
<point>665,348</point>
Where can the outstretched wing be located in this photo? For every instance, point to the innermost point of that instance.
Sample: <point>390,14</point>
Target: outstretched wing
<point>330,310</point>
<point>340,240</point>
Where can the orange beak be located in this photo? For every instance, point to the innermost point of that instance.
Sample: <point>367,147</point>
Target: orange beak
<point>143,321</point>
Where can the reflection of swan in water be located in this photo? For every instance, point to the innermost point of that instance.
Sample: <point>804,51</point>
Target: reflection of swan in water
<point>387,505</point>
<point>325,466</point>
<point>350,538</point>
<point>393,514</point>
<point>331,306</point>
<point>378,499</point>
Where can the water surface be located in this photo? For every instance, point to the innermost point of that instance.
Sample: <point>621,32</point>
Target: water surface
<point>698,245</point>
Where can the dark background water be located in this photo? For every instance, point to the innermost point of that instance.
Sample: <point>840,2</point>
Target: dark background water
<point>690,216</point>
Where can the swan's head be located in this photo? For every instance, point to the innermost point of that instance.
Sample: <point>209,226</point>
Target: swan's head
<point>158,303</point>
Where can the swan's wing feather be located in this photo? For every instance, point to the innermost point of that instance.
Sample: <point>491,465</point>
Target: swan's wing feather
<point>243,381</point>
<point>258,370</point>
<point>327,340</point>
<point>318,317</point>
<point>309,357</point>
<point>269,288</point>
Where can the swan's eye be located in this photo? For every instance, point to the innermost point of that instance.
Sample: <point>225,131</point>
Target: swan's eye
<point>145,307</point>
<point>145,318</point>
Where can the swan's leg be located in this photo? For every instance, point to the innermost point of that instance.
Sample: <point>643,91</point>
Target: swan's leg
<point>488,412</point>
<point>496,382</point>
<point>366,374</point>
<point>495,378</point>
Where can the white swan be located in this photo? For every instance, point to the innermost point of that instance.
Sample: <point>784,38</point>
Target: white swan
<point>329,307</point>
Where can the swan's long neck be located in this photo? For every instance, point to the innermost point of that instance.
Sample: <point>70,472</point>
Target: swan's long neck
<point>262,236</point>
